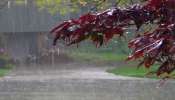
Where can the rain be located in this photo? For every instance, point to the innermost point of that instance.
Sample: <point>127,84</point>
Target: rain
<point>37,70</point>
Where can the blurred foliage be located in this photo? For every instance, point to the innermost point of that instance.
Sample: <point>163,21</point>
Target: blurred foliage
<point>20,1</point>
<point>5,60</point>
<point>68,6</point>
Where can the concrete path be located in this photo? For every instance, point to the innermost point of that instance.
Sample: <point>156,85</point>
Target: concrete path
<point>76,81</point>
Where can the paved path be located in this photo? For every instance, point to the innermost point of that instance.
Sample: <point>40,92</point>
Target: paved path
<point>75,81</point>
<point>60,71</point>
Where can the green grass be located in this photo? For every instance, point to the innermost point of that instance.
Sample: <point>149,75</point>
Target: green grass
<point>133,71</point>
<point>102,56</point>
<point>4,71</point>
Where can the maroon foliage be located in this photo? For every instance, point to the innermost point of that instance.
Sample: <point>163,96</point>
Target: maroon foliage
<point>153,46</point>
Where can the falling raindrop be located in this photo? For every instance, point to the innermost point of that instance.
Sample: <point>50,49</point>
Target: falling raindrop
<point>53,56</point>
<point>9,4</point>
<point>25,2</point>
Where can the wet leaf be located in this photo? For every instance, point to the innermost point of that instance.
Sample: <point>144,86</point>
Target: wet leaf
<point>153,46</point>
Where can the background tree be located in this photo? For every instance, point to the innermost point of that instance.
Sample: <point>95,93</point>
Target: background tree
<point>63,6</point>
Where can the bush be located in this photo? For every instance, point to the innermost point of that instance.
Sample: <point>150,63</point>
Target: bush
<point>5,61</point>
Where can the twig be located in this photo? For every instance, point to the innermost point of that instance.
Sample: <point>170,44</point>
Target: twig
<point>95,7</point>
<point>116,4</point>
<point>131,1</point>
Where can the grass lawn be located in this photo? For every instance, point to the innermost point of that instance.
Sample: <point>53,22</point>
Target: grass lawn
<point>4,71</point>
<point>95,57</point>
<point>124,69</point>
<point>133,71</point>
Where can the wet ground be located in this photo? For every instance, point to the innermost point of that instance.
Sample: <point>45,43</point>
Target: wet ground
<point>77,81</point>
